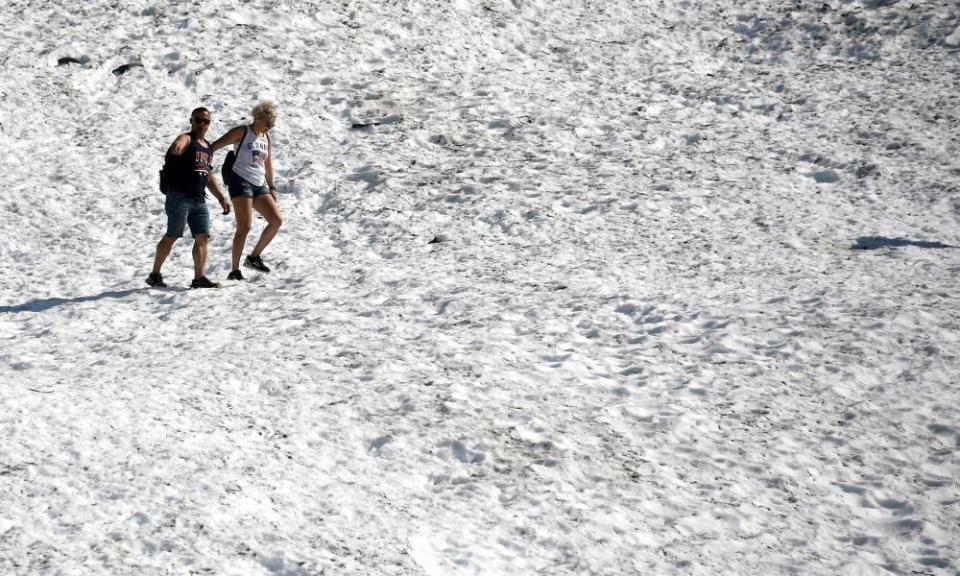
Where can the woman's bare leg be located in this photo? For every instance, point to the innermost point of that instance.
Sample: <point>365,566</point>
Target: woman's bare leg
<point>267,207</point>
<point>243,212</point>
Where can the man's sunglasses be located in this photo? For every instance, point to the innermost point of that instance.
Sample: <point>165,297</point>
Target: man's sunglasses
<point>201,120</point>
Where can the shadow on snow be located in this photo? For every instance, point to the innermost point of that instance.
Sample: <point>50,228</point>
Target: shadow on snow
<point>48,303</point>
<point>877,242</point>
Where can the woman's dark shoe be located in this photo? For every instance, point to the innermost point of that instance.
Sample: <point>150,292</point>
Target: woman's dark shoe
<point>203,282</point>
<point>156,280</point>
<point>235,275</point>
<point>256,263</point>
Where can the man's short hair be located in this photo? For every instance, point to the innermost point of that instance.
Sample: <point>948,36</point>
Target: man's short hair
<point>199,110</point>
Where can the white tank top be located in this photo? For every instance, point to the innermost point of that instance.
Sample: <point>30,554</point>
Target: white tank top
<point>251,160</point>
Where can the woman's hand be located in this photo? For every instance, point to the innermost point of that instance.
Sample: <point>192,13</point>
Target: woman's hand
<point>225,205</point>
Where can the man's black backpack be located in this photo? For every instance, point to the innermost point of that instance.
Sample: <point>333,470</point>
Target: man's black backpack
<point>227,169</point>
<point>164,181</point>
<point>166,173</point>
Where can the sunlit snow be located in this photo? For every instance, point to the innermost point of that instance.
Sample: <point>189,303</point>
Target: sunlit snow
<point>563,288</point>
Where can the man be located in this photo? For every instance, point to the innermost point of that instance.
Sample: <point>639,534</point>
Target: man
<point>187,165</point>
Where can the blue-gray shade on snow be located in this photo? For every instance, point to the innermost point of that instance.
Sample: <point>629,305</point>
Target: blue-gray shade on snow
<point>877,242</point>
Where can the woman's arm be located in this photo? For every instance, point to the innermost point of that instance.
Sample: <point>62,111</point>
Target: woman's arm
<point>268,166</point>
<point>231,137</point>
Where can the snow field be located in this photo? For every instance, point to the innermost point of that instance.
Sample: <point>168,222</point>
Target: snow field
<point>563,288</point>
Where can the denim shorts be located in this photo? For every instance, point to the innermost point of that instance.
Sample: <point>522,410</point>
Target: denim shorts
<point>183,209</point>
<point>240,187</point>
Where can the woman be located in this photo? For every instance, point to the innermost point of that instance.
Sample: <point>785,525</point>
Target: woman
<point>251,185</point>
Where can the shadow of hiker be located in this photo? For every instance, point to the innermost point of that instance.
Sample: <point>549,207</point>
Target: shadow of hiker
<point>48,303</point>
<point>877,242</point>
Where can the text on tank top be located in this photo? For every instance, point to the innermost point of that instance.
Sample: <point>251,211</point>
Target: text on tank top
<point>251,162</point>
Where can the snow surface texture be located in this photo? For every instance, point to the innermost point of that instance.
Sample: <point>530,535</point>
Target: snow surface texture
<point>563,288</point>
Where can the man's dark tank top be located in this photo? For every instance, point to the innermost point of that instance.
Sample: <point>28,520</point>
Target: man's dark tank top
<point>190,170</point>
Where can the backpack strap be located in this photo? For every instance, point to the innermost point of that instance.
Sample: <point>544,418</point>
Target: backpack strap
<point>242,138</point>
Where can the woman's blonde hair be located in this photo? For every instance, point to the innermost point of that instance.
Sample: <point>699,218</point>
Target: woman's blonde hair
<point>266,110</point>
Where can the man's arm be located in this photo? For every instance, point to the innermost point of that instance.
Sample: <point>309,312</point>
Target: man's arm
<point>214,189</point>
<point>180,145</point>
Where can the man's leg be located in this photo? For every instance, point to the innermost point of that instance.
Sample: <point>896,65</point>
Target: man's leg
<point>200,254</point>
<point>199,221</point>
<point>176,220</point>
<point>163,250</point>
